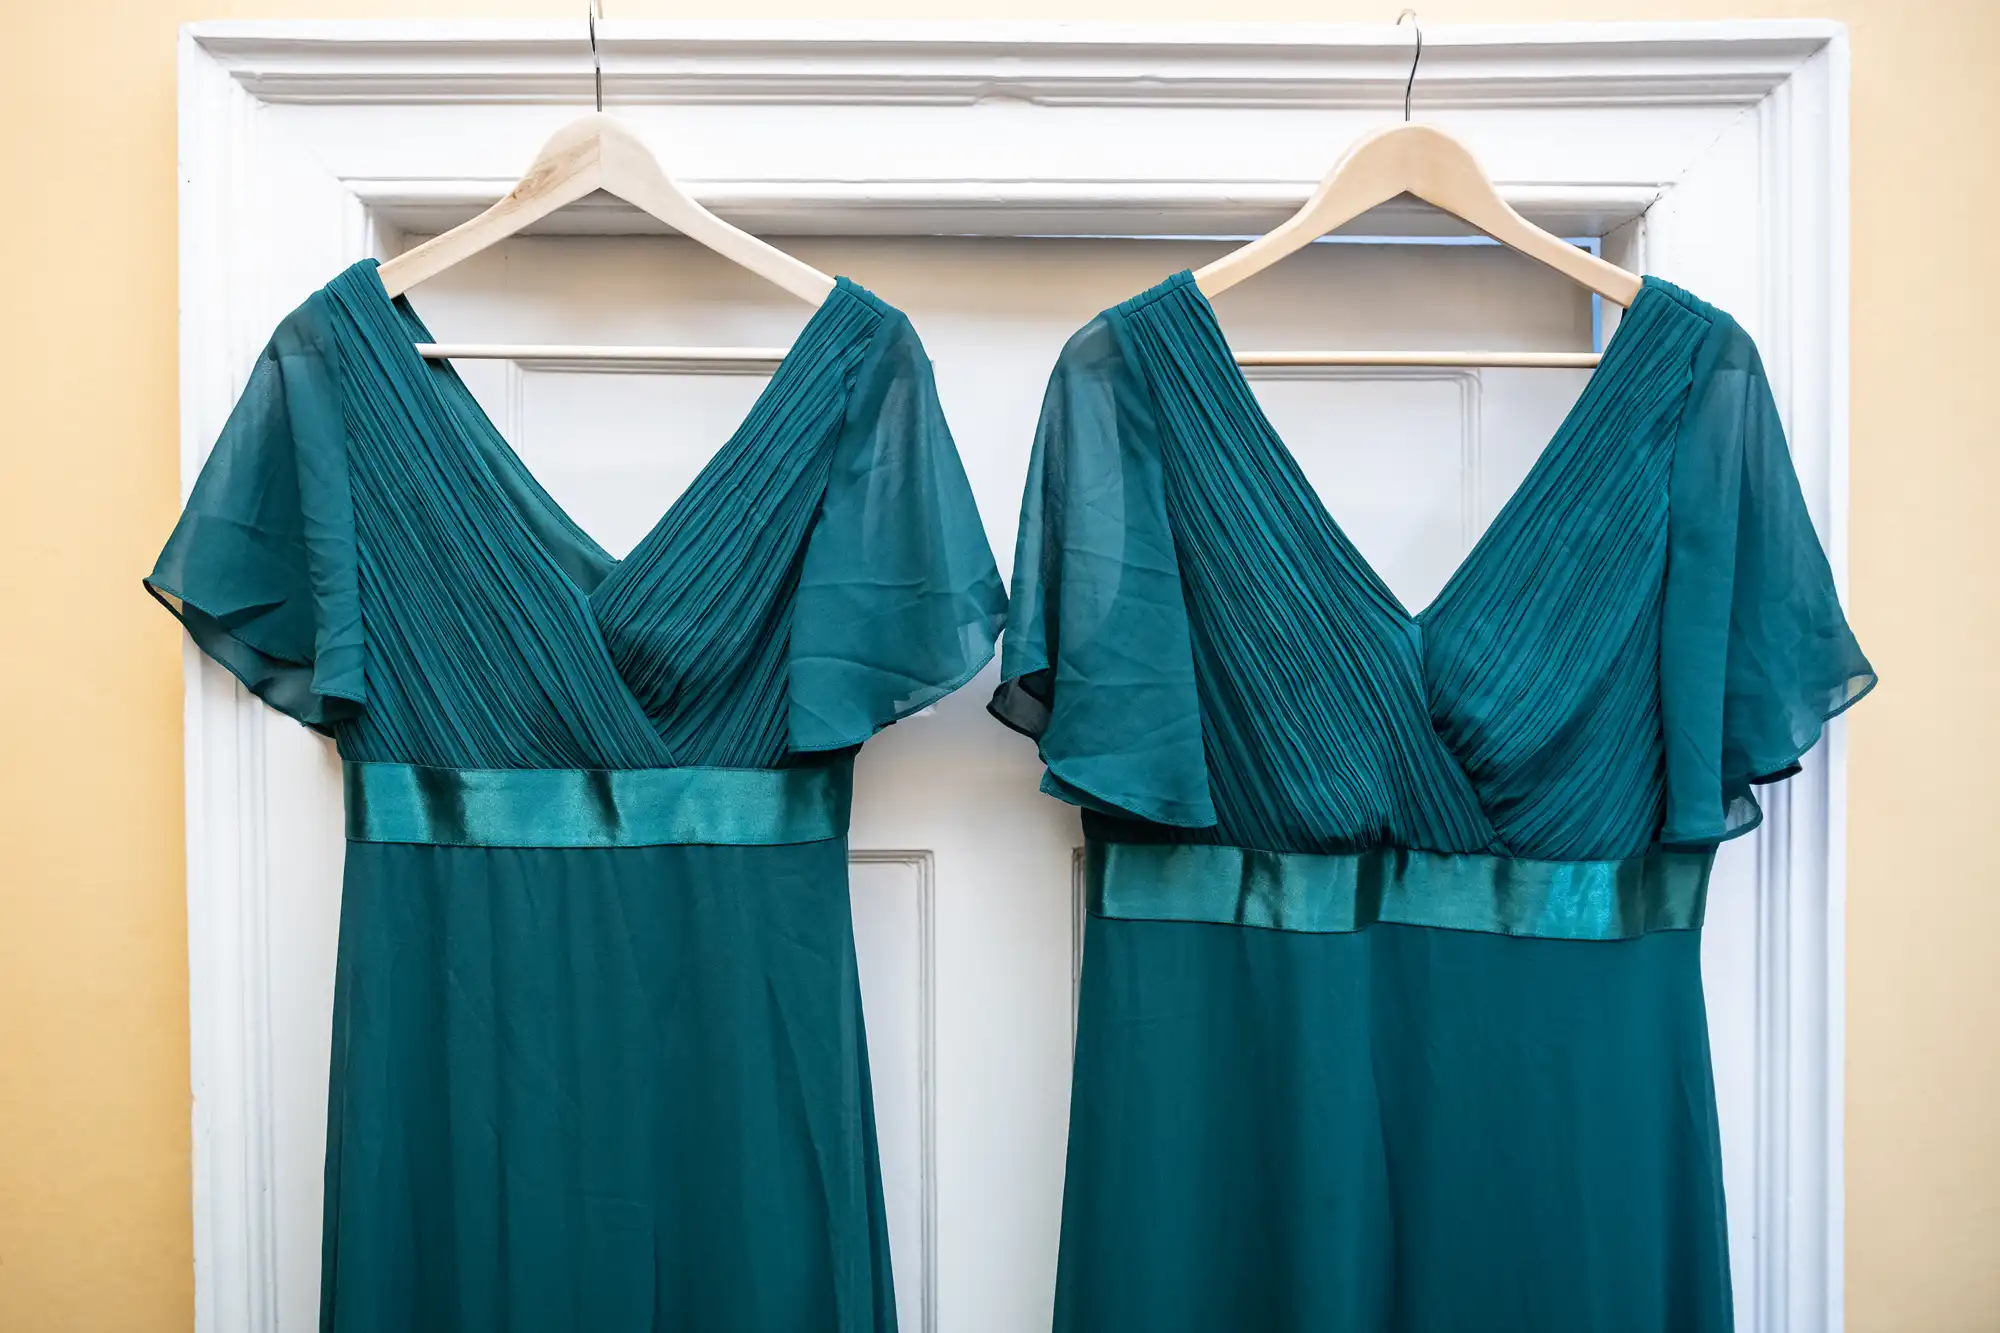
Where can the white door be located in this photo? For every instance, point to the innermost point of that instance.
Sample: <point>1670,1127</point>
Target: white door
<point>966,911</point>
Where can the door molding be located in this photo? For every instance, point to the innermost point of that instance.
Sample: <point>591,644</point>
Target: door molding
<point>1715,154</point>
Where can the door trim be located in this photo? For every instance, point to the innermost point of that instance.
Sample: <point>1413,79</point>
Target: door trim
<point>1713,153</point>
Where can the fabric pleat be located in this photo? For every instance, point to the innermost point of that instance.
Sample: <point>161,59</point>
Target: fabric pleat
<point>706,656</point>
<point>843,476</point>
<point>1570,576</point>
<point>1284,608</point>
<point>490,656</point>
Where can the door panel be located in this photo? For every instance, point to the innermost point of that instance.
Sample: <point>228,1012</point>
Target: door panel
<point>964,880</point>
<point>615,449</point>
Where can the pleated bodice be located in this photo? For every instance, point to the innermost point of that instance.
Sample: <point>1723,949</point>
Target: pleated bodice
<point>1469,726</point>
<point>564,656</point>
<point>366,551</point>
<point>1199,645</point>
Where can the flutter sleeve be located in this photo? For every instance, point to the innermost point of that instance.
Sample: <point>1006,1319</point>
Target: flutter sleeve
<point>261,568</point>
<point>1756,651</point>
<point>899,602</point>
<point>1097,665</point>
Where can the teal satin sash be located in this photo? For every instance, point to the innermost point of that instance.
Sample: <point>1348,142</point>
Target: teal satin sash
<point>587,807</point>
<point>1562,900</point>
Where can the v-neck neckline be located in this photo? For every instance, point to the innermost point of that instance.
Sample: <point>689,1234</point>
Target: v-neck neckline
<point>444,381</point>
<point>1602,382</point>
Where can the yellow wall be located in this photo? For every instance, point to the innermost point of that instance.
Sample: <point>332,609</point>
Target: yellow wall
<point>94,1162</point>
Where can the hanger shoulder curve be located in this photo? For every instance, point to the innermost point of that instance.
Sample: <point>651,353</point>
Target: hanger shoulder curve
<point>634,174</point>
<point>1447,176</point>
<point>597,152</point>
<point>1425,161</point>
<point>567,168</point>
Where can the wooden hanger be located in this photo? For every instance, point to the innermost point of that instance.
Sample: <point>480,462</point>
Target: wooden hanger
<point>596,152</point>
<point>1424,161</point>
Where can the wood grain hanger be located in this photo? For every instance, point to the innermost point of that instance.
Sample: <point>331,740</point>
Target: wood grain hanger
<point>1424,161</point>
<point>597,152</point>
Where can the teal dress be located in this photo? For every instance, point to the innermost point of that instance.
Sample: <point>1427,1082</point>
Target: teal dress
<point>598,1060</point>
<point>1391,1015</point>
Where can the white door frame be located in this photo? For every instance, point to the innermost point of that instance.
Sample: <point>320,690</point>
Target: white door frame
<point>1711,153</point>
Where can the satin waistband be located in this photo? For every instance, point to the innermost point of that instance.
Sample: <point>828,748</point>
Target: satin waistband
<point>595,807</point>
<point>1327,894</point>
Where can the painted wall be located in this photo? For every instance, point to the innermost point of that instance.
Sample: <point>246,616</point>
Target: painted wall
<point>94,1165</point>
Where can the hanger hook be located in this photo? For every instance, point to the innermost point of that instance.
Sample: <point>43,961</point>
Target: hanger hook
<point>1410,83</point>
<point>594,13</point>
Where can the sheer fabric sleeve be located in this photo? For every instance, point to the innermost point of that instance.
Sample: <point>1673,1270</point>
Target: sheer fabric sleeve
<point>261,568</point>
<point>899,602</point>
<point>1756,652</point>
<point>1097,665</point>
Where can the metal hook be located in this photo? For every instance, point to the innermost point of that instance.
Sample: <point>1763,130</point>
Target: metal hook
<point>1411,82</point>
<point>594,13</point>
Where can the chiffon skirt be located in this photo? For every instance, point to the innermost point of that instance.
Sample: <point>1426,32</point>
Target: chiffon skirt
<point>611,1090</point>
<point>1393,1130</point>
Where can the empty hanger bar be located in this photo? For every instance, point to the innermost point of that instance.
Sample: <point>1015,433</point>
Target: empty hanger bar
<point>1526,360</point>
<point>727,356</point>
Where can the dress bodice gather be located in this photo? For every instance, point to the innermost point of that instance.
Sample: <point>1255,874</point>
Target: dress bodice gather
<point>1646,630</point>
<point>495,633</point>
